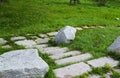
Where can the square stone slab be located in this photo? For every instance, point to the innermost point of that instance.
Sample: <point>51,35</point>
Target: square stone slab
<point>72,70</point>
<point>74,59</point>
<point>26,43</point>
<point>40,40</point>
<point>54,50</point>
<point>18,38</point>
<point>2,41</point>
<point>100,62</point>
<point>62,55</point>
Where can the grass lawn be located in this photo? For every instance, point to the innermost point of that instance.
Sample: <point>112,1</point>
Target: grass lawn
<point>21,17</point>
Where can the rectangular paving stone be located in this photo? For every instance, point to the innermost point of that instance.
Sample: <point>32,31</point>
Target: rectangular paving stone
<point>54,50</point>
<point>62,55</point>
<point>40,40</point>
<point>73,59</point>
<point>100,62</point>
<point>72,70</point>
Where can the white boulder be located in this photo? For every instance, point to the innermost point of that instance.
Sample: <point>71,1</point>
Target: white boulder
<point>65,35</point>
<point>22,64</point>
<point>115,46</point>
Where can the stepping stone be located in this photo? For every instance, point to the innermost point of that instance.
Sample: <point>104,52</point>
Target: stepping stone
<point>18,38</point>
<point>2,41</point>
<point>6,46</point>
<point>72,70</point>
<point>100,62</point>
<point>101,27</point>
<point>108,75</point>
<point>34,37</point>
<point>78,28</point>
<point>40,40</point>
<point>94,76</point>
<point>62,55</point>
<point>85,27</point>
<point>43,35</point>
<point>52,33</point>
<point>41,47</point>
<point>74,59</point>
<point>26,43</point>
<point>54,50</point>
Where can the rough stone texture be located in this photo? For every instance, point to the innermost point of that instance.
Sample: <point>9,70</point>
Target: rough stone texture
<point>73,59</point>
<point>54,50</point>
<point>94,76</point>
<point>2,41</point>
<point>115,46</point>
<point>72,70</point>
<point>18,38</point>
<point>26,43</point>
<point>52,33</point>
<point>100,62</point>
<point>40,40</point>
<point>62,55</point>
<point>6,46</point>
<point>22,64</point>
<point>43,35</point>
<point>65,35</point>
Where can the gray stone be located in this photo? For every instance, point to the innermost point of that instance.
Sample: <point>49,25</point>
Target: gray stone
<point>18,38</point>
<point>65,35</point>
<point>22,64</point>
<point>115,46</point>
<point>72,70</point>
<point>108,75</point>
<point>100,62</point>
<point>6,46</point>
<point>54,50</point>
<point>26,43</point>
<point>52,33</point>
<point>2,41</point>
<point>62,55</point>
<point>43,35</point>
<point>74,59</point>
<point>40,40</point>
<point>94,76</point>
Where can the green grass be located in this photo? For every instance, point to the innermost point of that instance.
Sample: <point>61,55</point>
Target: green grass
<point>21,17</point>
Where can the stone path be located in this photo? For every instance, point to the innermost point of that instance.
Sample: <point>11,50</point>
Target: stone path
<point>75,63</point>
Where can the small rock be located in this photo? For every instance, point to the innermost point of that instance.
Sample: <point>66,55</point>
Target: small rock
<point>43,35</point>
<point>22,64</point>
<point>18,38</point>
<point>65,35</point>
<point>115,46</point>
<point>78,28</point>
<point>6,46</point>
<point>2,41</point>
<point>26,43</point>
<point>85,27</point>
<point>40,40</point>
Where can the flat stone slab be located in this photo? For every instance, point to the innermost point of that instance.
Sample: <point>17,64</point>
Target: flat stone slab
<point>62,55</point>
<point>73,59</point>
<point>72,70</point>
<point>40,40</point>
<point>52,33</point>
<point>43,35</point>
<point>3,41</point>
<point>18,38</point>
<point>26,43</point>
<point>22,64</point>
<point>54,50</point>
<point>100,62</point>
<point>94,76</point>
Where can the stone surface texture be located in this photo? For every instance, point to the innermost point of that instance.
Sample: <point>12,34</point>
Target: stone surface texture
<point>72,70</point>
<point>40,40</point>
<point>2,41</point>
<point>26,43</point>
<point>65,35</point>
<point>74,59</point>
<point>52,33</point>
<point>115,46</point>
<point>18,38</point>
<point>94,76</point>
<point>100,62</point>
<point>22,64</point>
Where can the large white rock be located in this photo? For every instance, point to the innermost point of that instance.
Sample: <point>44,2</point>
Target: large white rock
<point>115,46</point>
<point>65,35</point>
<point>22,64</point>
